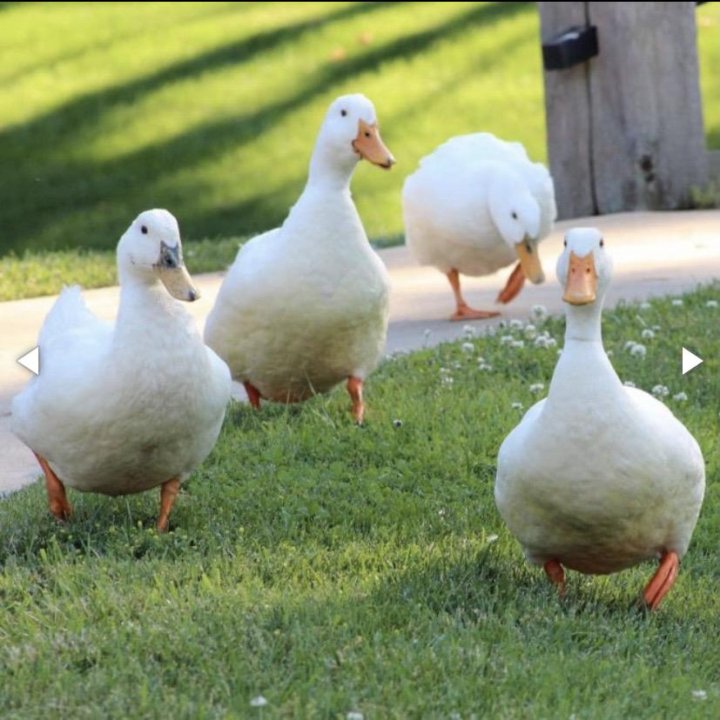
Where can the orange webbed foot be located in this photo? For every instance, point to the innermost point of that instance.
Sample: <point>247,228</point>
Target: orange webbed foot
<point>253,394</point>
<point>556,574</point>
<point>465,312</point>
<point>355,388</point>
<point>57,499</point>
<point>513,286</point>
<point>168,494</point>
<point>662,580</point>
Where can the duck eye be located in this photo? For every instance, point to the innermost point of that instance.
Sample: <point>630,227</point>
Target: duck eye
<point>602,242</point>
<point>514,215</point>
<point>343,112</point>
<point>367,134</point>
<point>564,243</point>
<point>143,230</point>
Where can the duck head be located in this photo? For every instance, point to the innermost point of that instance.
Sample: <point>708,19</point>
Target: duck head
<point>584,269</point>
<point>151,250</point>
<point>350,133</point>
<point>516,215</point>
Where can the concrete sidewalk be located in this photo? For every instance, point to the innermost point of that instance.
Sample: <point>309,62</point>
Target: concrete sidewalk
<point>654,254</point>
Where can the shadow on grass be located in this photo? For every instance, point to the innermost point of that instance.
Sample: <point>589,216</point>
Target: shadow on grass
<point>205,11</point>
<point>70,188</point>
<point>712,138</point>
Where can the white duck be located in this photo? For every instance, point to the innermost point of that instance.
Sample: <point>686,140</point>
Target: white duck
<point>124,409</point>
<point>475,204</point>
<point>598,476</point>
<point>305,306</point>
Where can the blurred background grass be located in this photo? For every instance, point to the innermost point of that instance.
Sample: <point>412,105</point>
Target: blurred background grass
<point>211,110</point>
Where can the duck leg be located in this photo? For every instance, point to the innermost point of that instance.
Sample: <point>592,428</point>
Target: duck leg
<point>355,388</point>
<point>662,580</point>
<point>57,500</point>
<point>168,493</point>
<point>556,574</point>
<point>464,311</point>
<point>253,394</point>
<point>513,285</point>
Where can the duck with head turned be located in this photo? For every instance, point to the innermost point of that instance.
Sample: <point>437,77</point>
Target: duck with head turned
<point>118,410</point>
<point>476,204</point>
<point>598,476</point>
<point>305,306</point>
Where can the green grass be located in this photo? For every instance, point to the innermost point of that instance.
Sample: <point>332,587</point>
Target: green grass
<point>211,109</point>
<point>32,274</point>
<point>708,20</point>
<point>332,568</point>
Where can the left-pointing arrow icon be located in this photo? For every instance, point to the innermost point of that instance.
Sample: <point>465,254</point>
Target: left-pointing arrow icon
<point>31,360</point>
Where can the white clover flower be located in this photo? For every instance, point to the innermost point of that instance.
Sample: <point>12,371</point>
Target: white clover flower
<point>506,339</point>
<point>711,303</point>
<point>541,341</point>
<point>677,302</point>
<point>485,367</point>
<point>699,694</point>
<point>629,383</point>
<point>502,324</point>
<point>456,365</point>
<point>636,349</point>
<point>539,312</point>
<point>660,391</point>
<point>530,331</point>
<point>259,701</point>
<point>629,345</point>
<point>516,324</point>
<point>468,331</point>
<point>609,353</point>
<point>468,347</point>
<point>354,715</point>
<point>647,334</point>
<point>537,388</point>
<point>551,342</point>
<point>656,328</point>
<point>491,538</point>
<point>645,305</point>
<point>397,423</point>
<point>680,397</point>
<point>445,371</point>
<point>517,344</point>
<point>517,406</point>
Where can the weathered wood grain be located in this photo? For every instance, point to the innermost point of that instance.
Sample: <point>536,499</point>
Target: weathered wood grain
<point>625,130</point>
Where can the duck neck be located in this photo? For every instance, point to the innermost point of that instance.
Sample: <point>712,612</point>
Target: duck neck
<point>583,358</point>
<point>583,323</point>
<point>328,171</point>
<point>142,296</point>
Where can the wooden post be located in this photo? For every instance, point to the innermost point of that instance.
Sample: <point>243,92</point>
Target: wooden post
<point>625,129</point>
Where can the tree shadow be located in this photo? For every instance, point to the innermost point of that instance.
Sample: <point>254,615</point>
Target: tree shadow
<point>712,138</point>
<point>203,14</point>
<point>71,188</point>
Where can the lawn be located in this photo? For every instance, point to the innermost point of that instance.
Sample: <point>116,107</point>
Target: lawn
<point>334,569</point>
<point>211,110</point>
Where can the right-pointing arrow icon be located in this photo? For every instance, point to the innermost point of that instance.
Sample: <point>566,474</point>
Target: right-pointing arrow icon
<point>689,361</point>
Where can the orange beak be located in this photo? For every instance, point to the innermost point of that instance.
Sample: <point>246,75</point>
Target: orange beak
<point>370,146</point>
<point>581,286</point>
<point>530,261</point>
